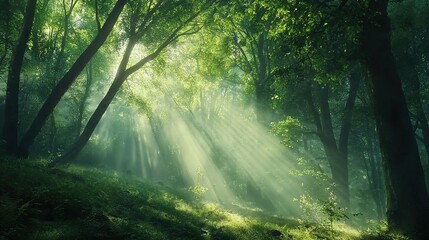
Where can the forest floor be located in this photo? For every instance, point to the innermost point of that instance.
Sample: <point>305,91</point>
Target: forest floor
<point>37,202</point>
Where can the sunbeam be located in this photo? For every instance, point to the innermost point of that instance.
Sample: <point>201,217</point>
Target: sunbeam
<point>228,159</point>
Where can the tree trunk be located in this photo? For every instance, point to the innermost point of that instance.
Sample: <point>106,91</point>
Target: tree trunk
<point>122,74</point>
<point>101,108</point>
<point>338,164</point>
<point>262,85</point>
<point>10,128</point>
<point>82,104</point>
<point>407,197</point>
<point>64,84</point>
<point>5,13</point>
<point>337,156</point>
<point>418,105</point>
<point>377,180</point>
<point>343,141</point>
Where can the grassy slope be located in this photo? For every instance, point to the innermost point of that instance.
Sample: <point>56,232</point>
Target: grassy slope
<point>82,203</point>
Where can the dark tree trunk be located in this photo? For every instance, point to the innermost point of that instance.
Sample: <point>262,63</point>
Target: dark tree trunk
<point>10,128</point>
<point>58,69</point>
<point>343,141</point>
<point>101,108</point>
<point>407,197</point>
<point>5,13</point>
<point>376,181</point>
<point>337,155</point>
<point>122,74</point>
<point>82,104</point>
<point>64,84</point>
<point>338,164</point>
<point>262,85</point>
<point>418,106</point>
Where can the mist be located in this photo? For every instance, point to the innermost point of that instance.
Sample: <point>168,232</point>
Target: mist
<point>228,158</point>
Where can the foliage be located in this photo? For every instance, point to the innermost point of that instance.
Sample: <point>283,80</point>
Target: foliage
<point>289,129</point>
<point>198,190</point>
<point>319,203</point>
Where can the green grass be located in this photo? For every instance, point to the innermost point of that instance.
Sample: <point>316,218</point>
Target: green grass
<point>77,202</point>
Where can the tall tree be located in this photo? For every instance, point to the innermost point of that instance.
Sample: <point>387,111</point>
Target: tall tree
<point>65,82</point>
<point>407,197</point>
<point>251,24</point>
<point>337,154</point>
<point>10,129</point>
<point>409,34</point>
<point>149,14</point>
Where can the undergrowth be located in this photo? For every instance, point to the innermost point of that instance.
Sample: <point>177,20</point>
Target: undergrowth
<point>37,202</point>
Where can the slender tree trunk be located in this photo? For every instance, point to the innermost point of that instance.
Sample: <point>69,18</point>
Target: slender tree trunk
<point>6,18</point>
<point>122,74</point>
<point>407,197</point>
<point>262,86</point>
<point>64,84</point>
<point>338,165</point>
<point>10,128</point>
<point>377,181</point>
<point>343,141</point>
<point>337,155</point>
<point>59,63</point>
<point>82,104</point>
<point>418,105</point>
<point>101,108</point>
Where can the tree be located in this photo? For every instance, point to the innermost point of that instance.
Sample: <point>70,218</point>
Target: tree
<point>250,25</point>
<point>409,32</point>
<point>65,82</point>
<point>407,197</point>
<point>337,154</point>
<point>149,14</point>
<point>320,55</point>
<point>10,129</point>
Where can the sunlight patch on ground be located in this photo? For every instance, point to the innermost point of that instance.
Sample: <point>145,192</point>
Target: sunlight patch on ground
<point>346,230</point>
<point>234,221</point>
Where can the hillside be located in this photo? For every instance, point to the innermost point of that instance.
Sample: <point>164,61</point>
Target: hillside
<point>78,202</point>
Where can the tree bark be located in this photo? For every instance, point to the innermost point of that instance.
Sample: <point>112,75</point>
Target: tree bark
<point>418,105</point>
<point>101,108</point>
<point>10,128</point>
<point>64,84</point>
<point>6,18</point>
<point>376,180</point>
<point>343,141</point>
<point>337,155</point>
<point>407,197</point>
<point>82,104</point>
<point>262,85</point>
<point>122,74</point>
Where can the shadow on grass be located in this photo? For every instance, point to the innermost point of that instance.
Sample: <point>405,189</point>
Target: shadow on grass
<point>82,203</point>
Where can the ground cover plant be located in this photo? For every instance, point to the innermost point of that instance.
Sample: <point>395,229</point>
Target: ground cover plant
<point>78,202</point>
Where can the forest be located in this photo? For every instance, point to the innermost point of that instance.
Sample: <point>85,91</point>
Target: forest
<point>214,119</point>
